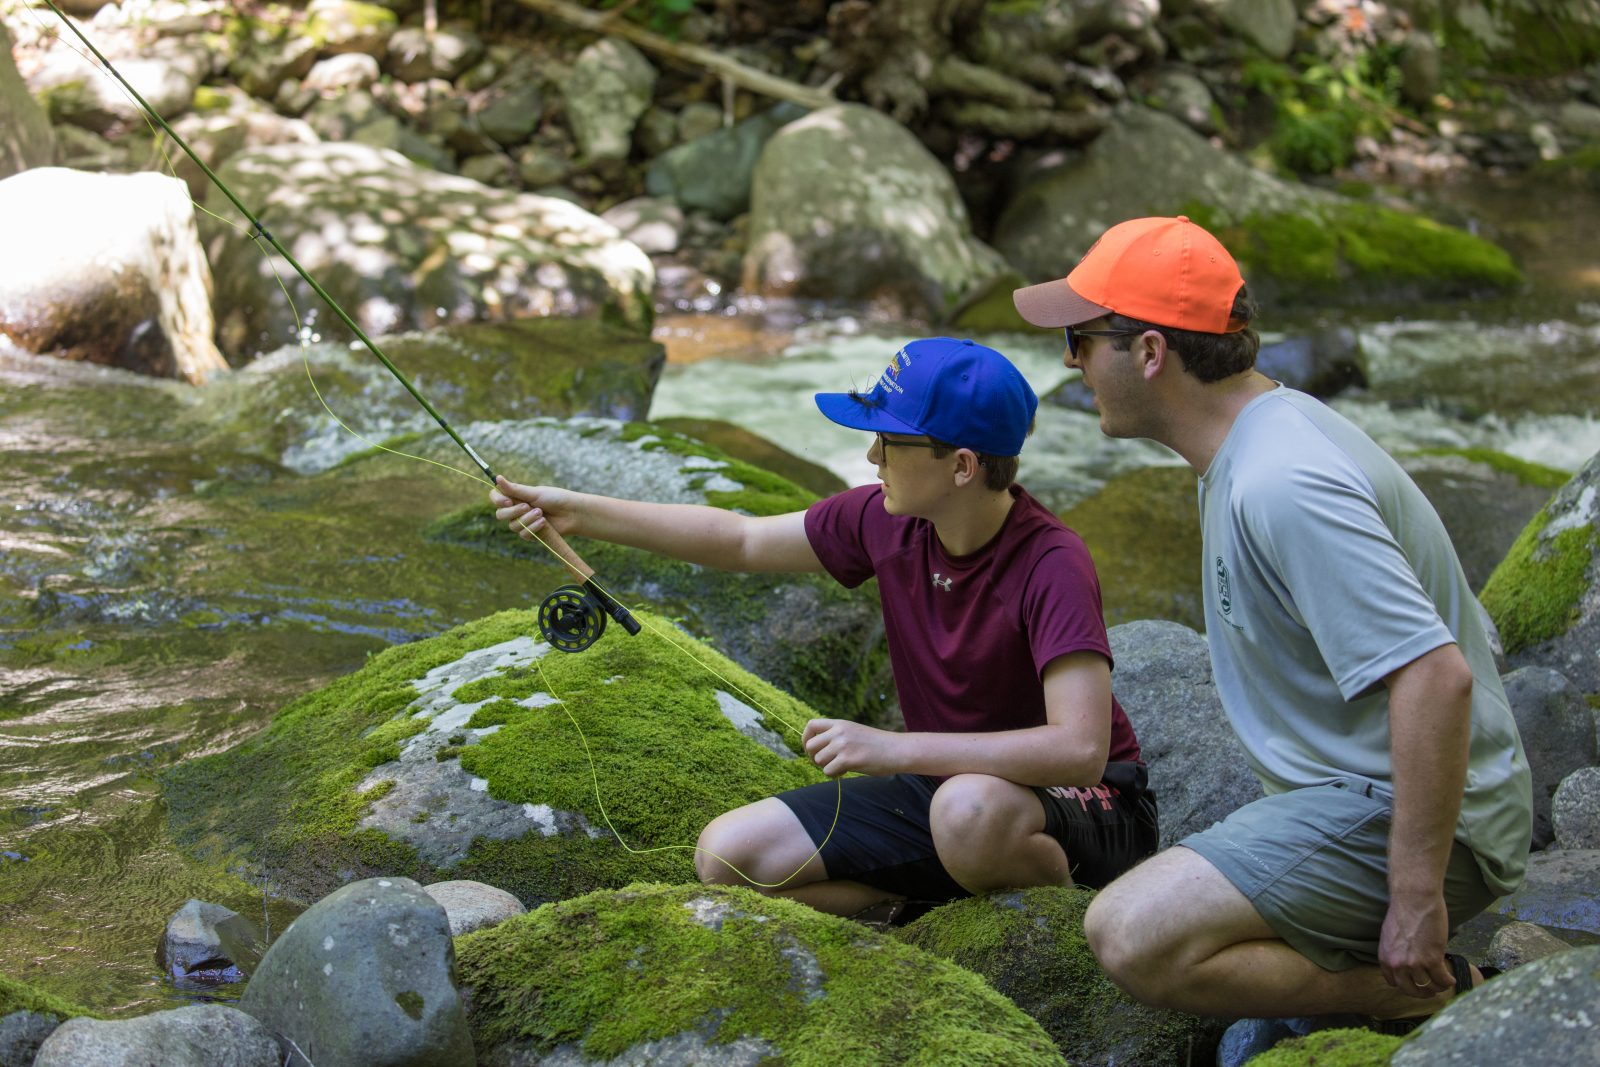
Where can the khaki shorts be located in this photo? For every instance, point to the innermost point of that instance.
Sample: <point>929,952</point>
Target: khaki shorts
<point>1315,863</point>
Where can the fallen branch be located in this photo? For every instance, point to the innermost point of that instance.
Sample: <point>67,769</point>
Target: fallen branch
<point>603,22</point>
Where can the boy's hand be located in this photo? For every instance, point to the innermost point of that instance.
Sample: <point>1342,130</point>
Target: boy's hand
<point>839,746</point>
<point>526,508</point>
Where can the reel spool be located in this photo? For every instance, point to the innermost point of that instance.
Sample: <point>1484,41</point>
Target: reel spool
<point>570,619</point>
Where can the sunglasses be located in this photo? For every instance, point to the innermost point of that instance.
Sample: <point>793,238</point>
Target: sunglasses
<point>884,443</point>
<point>1073,333</point>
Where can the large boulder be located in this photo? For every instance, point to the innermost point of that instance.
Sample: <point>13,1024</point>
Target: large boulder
<point>203,1035</point>
<point>846,203</point>
<point>723,976</point>
<point>114,272</point>
<point>1197,767</point>
<point>401,247</point>
<point>477,755</point>
<point>1558,891</point>
<point>1030,946</point>
<point>1575,810</point>
<point>1545,595</point>
<point>26,139</point>
<point>1294,243</point>
<point>365,978</point>
<point>1557,731</point>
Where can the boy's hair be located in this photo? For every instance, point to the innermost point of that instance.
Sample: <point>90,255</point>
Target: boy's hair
<point>998,471</point>
<point>1210,357</point>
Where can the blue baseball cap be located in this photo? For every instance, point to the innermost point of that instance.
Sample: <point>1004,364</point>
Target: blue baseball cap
<point>954,391</point>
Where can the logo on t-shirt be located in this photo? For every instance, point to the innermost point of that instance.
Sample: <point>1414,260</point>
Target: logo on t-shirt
<point>1224,592</point>
<point>941,582</point>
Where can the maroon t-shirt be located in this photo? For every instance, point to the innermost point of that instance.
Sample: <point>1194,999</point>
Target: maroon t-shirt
<point>969,636</point>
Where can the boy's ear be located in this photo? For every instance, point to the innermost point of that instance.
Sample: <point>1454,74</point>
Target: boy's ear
<point>967,466</point>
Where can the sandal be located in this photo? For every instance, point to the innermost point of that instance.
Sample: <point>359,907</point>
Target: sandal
<point>1460,970</point>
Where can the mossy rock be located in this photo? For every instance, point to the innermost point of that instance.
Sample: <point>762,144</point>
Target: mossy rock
<point>1031,947</point>
<point>20,996</point>
<point>688,974</point>
<point>755,450</point>
<point>475,755</point>
<point>1522,37</point>
<point>1331,1048</point>
<point>803,632</point>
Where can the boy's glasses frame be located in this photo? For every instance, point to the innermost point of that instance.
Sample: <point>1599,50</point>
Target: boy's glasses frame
<point>884,443</point>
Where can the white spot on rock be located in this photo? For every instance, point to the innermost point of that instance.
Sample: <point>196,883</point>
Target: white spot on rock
<point>479,785</point>
<point>327,943</point>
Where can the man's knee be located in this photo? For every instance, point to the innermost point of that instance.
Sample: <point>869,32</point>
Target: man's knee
<point>1104,927</point>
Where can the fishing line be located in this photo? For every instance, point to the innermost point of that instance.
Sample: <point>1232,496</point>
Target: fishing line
<point>590,589</point>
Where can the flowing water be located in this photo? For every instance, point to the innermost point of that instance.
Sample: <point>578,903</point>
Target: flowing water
<point>178,563</point>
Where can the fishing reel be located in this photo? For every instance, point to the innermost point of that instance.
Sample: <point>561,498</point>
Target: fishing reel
<point>574,616</point>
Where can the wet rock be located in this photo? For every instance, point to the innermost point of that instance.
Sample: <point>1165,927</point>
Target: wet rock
<point>1575,810</point>
<point>205,944</point>
<point>610,86</point>
<point>365,978</point>
<point>579,982</point>
<point>1558,891</point>
<point>1557,731</point>
<point>472,905</point>
<point>21,1034</point>
<point>1517,943</point>
<point>115,274</point>
<point>26,139</point>
<point>713,173</point>
<point>823,225</point>
<point>1197,766</point>
<point>1552,1005</point>
<point>206,1035</point>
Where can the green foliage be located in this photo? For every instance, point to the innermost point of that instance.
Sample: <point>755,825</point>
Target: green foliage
<point>1322,106</point>
<point>663,16</point>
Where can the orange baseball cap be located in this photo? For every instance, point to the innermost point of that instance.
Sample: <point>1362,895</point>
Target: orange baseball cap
<point>1168,271</point>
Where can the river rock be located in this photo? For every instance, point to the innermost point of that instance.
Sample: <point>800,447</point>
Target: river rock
<point>21,1034</point>
<point>1030,946</point>
<point>1267,24</point>
<point>1557,731</point>
<point>1179,93</point>
<point>350,27</point>
<point>610,86</point>
<point>472,905</point>
<point>365,978</point>
<point>218,134</point>
<point>1575,810</point>
<point>1558,891</point>
<point>75,91</point>
<point>1545,595</point>
<point>205,944</point>
<point>1552,1005</point>
<point>1517,943</point>
<point>204,1035</point>
<point>1198,769</point>
<point>713,172</point>
<point>114,273</point>
<point>26,139</point>
<point>654,224</point>
<point>416,55</point>
<point>581,982</point>
<point>846,203</point>
<point>401,247</point>
<point>342,73</point>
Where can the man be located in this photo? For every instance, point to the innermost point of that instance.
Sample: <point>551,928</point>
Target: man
<point>1348,655</point>
<point>1017,767</point>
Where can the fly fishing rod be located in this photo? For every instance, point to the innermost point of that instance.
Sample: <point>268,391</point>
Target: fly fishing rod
<point>574,616</point>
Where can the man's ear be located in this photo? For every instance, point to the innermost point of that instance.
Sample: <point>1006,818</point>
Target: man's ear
<point>1151,351</point>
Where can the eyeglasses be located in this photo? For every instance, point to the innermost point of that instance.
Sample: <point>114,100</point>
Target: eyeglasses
<point>1073,333</point>
<point>884,443</point>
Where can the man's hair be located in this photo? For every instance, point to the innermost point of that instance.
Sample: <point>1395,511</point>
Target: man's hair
<point>1210,357</point>
<point>998,471</point>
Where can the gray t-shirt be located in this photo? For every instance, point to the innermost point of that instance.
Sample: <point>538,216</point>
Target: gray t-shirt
<point>1326,569</point>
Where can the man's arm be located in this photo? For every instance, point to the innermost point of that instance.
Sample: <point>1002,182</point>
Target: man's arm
<point>694,533</point>
<point>1430,723</point>
<point>1070,749</point>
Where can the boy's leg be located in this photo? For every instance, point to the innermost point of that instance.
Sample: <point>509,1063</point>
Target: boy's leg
<point>990,834</point>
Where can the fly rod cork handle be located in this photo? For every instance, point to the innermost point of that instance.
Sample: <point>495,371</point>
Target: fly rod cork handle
<point>584,575</point>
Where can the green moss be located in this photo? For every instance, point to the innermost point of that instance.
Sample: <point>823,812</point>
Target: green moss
<point>410,1002</point>
<point>208,98</point>
<point>1332,1048</point>
<point>612,970</point>
<point>1533,595</point>
<point>757,451</point>
<point>763,492</point>
<point>1534,474</point>
<point>350,13</point>
<point>20,996</point>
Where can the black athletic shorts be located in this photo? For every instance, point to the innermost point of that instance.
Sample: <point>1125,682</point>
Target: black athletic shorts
<point>882,837</point>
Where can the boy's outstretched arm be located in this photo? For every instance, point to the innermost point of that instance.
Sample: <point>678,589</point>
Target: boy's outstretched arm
<point>694,533</point>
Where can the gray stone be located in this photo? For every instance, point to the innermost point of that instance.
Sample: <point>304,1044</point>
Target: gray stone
<point>847,204</point>
<point>473,905</point>
<point>207,943</point>
<point>713,173</point>
<point>350,27</point>
<point>21,1034</point>
<point>353,70</point>
<point>512,114</point>
<point>1183,96</point>
<point>26,139</point>
<point>1197,766</point>
<point>698,119</point>
<point>205,1035</point>
<point>74,91</point>
<point>1267,24</point>
<point>365,978</point>
<point>1420,74</point>
<point>655,225</point>
<point>1575,811</point>
<point>416,55</point>
<point>1517,943</point>
<point>656,132</point>
<point>1323,363</point>
<point>610,86</point>
<point>1548,1011</point>
<point>1557,731</point>
<point>1558,891</point>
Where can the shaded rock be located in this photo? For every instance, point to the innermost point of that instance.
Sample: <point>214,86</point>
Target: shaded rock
<point>1030,946</point>
<point>1552,1005</point>
<point>21,1034</point>
<point>365,978</point>
<point>512,113</point>
<point>1267,24</point>
<point>416,55</point>
<point>1557,732</point>
<point>757,451</point>
<point>205,1035</point>
<point>1558,891</point>
<point>1143,530</point>
<point>713,172</point>
<point>401,247</point>
<point>115,273</point>
<point>26,139</point>
<point>1545,595</point>
<point>1185,97</point>
<point>472,905</point>
<point>610,86</point>
<point>581,982</point>
<point>1323,364</point>
<point>1198,770</point>
<point>847,204</point>
<point>655,225</point>
<point>1575,810</point>
<point>1517,943</point>
<point>205,944</point>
